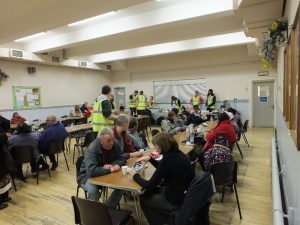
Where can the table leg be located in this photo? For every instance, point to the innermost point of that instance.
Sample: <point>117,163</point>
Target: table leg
<point>137,207</point>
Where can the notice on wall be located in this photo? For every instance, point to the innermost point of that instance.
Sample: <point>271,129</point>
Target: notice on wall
<point>263,99</point>
<point>26,97</point>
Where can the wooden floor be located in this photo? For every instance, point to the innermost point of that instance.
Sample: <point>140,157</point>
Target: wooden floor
<point>49,202</point>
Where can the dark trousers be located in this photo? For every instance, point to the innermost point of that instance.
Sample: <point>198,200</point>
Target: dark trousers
<point>3,197</point>
<point>141,112</point>
<point>132,111</point>
<point>52,158</point>
<point>156,207</point>
<point>201,160</point>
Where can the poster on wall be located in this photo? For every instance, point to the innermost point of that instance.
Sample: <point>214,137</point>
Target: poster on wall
<point>26,97</point>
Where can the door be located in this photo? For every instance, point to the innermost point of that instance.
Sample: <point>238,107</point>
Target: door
<point>120,98</point>
<point>263,104</point>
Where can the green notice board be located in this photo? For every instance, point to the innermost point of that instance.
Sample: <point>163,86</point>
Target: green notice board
<point>26,97</point>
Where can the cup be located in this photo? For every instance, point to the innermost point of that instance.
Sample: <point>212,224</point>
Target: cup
<point>124,170</point>
<point>141,150</point>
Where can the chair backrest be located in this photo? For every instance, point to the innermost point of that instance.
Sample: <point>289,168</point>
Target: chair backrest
<point>224,173</point>
<point>55,146</point>
<point>67,122</point>
<point>197,196</point>
<point>81,120</point>
<point>78,164</point>
<point>154,132</point>
<point>91,212</point>
<point>222,137</point>
<point>143,124</point>
<point>89,138</point>
<point>245,127</point>
<point>22,154</point>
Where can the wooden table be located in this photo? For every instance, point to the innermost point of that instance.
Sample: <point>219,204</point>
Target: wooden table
<point>125,182</point>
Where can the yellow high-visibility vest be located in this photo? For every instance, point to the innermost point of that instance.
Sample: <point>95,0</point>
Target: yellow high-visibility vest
<point>99,120</point>
<point>179,107</point>
<point>210,100</point>
<point>133,102</point>
<point>195,100</point>
<point>141,102</point>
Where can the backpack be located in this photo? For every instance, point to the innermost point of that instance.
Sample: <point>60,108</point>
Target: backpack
<point>195,208</point>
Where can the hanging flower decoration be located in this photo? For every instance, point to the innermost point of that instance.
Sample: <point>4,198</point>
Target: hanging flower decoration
<point>3,76</point>
<point>272,39</point>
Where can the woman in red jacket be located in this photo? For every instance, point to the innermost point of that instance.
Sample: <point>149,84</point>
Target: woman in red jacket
<point>224,126</point>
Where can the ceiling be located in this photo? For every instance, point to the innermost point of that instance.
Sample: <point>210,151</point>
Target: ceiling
<point>137,28</point>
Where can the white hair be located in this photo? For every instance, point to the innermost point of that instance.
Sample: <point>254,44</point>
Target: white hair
<point>122,120</point>
<point>105,131</point>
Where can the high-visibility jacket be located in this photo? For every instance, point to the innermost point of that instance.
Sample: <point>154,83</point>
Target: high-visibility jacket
<point>196,100</point>
<point>210,100</point>
<point>141,102</point>
<point>133,102</point>
<point>178,106</point>
<point>99,120</point>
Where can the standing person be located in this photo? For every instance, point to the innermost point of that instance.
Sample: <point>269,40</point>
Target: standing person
<point>104,156</point>
<point>17,119</point>
<point>166,188</point>
<point>141,105</point>
<point>210,100</point>
<point>133,103</point>
<point>102,115</point>
<point>151,102</point>
<point>111,98</point>
<point>196,100</point>
<point>176,101</point>
<point>55,131</point>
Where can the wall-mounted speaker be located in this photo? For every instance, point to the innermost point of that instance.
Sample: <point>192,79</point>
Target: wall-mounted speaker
<point>31,69</point>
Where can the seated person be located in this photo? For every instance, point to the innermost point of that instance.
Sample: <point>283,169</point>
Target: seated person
<point>179,121</point>
<point>233,123</point>
<point>4,124</point>
<point>195,117</point>
<point>122,109</point>
<point>5,183</point>
<point>166,188</point>
<point>17,119</point>
<point>220,152</point>
<point>168,125</point>
<point>76,112</point>
<point>139,141</point>
<point>237,117</point>
<point>103,156</point>
<point>121,136</point>
<point>23,137</point>
<point>55,131</point>
<point>85,110</point>
<point>223,126</point>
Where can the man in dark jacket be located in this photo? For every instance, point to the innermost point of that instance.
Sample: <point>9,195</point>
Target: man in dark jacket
<point>55,131</point>
<point>103,156</point>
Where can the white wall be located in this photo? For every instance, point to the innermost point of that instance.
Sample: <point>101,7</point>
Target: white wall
<point>59,85</point>
<point>228,71</point>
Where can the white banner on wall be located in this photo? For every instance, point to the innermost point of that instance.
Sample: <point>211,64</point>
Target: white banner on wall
<point>182,89</point>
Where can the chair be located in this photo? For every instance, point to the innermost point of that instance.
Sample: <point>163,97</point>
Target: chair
<point>81,120</point>
<point>56,147</point>
<point>66,122</point>
<point>89,137</point>
<point>244,130</point>
<point>78,165</point>
<point>195,207</point>
<point>89,212</point>
<point>24,154</point>
<point>237,144</point>
<point>64,116</point>
<point>225,173</point>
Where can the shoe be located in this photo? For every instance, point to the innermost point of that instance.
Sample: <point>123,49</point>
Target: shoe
<point>54,166</point>
<point>4,200</point>
<point>3,206</point>
<point>44,167</point>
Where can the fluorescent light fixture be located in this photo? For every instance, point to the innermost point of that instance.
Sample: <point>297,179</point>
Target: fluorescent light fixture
<point>30,37</point>
<point>92,18</point>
